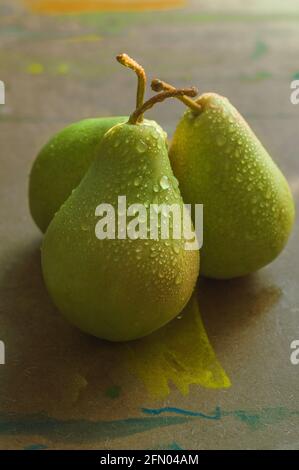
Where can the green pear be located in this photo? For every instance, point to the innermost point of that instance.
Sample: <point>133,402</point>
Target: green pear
<point>248,206</point>
<point>119,287</point>
<point>63,161</point>
<point>61,164</point>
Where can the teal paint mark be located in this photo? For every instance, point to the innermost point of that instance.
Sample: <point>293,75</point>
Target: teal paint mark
<point>113,391</point>
<point>295,76</point>
<point>36,447</point>
<point>174,446</point>
<point>171,446</point>
<point>260,49</point>
<point>256,77</point>
<point>257,420</point>
<point>82,430</point>
<point>266,416</point>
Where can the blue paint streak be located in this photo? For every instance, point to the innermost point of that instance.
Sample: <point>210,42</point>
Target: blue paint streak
<point>181,411</point>
<point>254,420</point>
<point>82,431</point>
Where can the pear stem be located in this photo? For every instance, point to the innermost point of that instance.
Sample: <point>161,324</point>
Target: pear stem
<point>159,85</point>
<point>175,93</point>
<point>127,61</point>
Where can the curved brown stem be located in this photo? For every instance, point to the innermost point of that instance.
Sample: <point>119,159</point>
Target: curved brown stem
<point>127,61</point>
<point>159,85</point>
<point>175,93</point>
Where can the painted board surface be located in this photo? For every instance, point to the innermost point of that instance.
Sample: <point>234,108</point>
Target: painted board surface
<point>220,375</point>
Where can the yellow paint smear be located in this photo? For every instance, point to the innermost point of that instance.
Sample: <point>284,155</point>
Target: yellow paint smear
<point>35,68</point>
<point>179,353</point>
<point>88,6</point>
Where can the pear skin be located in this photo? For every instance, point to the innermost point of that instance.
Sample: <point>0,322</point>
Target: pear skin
<point>119,289</point>
<point>248,207</point>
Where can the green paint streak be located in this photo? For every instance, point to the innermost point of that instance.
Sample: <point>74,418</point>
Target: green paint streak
<point>260,49</point>
<point>295,76</point>
<point>240,17</point>
<point>113,391</point>
<point>114,23</point>
<point>256,77</point>
<point>117,22</point>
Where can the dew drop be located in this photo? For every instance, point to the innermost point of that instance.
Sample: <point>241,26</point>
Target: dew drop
<point>141,146</point>
<point>164,182</point>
